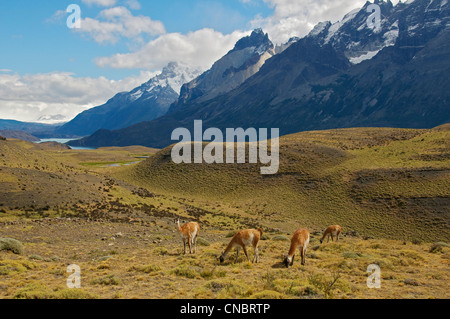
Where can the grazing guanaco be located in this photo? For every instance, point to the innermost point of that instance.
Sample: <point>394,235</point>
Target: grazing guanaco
<point>243,239</point>
<point>334,230</point>
<point>299,239</point>
<point>189,233</point>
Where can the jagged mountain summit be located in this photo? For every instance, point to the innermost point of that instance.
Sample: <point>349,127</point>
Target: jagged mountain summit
<point>406,24</point>
<point>144,103</point>
<point>243,61</point>
<point>341,75</point>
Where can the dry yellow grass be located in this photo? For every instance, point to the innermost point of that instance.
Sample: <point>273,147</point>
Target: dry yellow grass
<point>117,222</point>
<point>130,261</point>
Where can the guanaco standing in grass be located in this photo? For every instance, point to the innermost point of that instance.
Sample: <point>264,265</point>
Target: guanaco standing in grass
<point>243,239</point>
<point>334,230</point>
<point>300,240</point>
<point>189,233</point>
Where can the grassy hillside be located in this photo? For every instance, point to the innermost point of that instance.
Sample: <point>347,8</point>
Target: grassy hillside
<point>111,212</point>
<point>380,182</point>
<point>124,260</point>
<point>46,180</point>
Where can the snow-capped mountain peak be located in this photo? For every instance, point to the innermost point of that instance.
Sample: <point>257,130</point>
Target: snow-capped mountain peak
<point>360,41</point>
<point>172,76</point>
<point>144,103</point>
<point>243,61</point>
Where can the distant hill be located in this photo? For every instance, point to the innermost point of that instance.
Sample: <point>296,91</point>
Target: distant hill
<point>19,135</point>
<point>380,182</point>
<point>37,129</point>
<point>144,103</point>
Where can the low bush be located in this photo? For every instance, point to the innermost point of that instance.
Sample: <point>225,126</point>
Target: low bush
<point>12,245</point>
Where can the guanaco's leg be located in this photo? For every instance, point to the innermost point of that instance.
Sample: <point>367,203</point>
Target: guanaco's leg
<point>245,252</point>
<point>256,256</point>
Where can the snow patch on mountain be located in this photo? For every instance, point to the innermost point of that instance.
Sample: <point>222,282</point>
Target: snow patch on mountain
<point>334,28</point>
<point>390,38</point>
<point>173,76</point>
<point>244,60</point>
<point>319,28</point>
<point>366,56</point>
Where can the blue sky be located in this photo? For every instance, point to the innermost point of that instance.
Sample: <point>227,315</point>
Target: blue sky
<point>50,73</point>
<point>37,41</point>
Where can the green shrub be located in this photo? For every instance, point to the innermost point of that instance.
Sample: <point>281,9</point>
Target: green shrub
<point>323,283</point>
<point>267,294</point>
<point>8,267</point>
<point>39,291</point>
<point>36,257</point>
<point>75,294</point>
<point>351,254</point>
<point>207,273</point>
<point>230,288</point>
<point>411,282</point>
<point>280,238</point>
<point>300,291</point>
<point>145,269</point>
<point>12,245</point>
<point>438,247</point>
<point>111,280</point>
<point>411,254</point>
<point>160,251</point>
<point>33,291</point>
<point>202,242</point>
<point>185,271</point>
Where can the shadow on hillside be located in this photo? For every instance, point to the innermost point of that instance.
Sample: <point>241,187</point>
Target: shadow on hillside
<point>278,265</point>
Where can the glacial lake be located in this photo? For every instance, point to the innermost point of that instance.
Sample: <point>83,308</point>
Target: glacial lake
<point>63,141</point>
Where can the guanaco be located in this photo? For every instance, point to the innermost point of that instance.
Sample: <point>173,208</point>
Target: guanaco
<point>189,233</point>
<point>242,239</point>
<point>299,239</point>
<point>334,230</point>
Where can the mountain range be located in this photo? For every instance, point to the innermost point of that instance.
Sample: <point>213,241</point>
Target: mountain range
<point>246,58</point>
<point>343,74</point>
<point>144,103</point>
<point>36,129</point>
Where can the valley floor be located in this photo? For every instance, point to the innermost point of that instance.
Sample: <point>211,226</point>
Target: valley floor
<point>111,212</point>
<point>127,260</point>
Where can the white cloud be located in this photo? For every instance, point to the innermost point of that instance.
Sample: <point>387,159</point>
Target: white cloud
<point>298,17</point>
<point>30,97</point>
<point>117,22</point>
<point>102,3</point>
<point>133,4</point>
<point>200,48</point>
<point>205,46</point>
